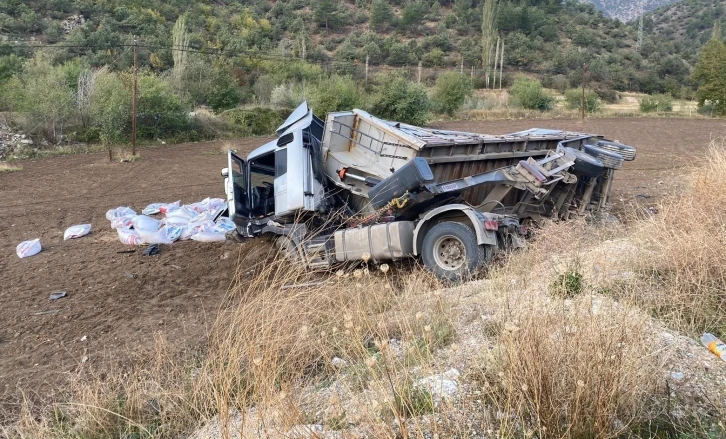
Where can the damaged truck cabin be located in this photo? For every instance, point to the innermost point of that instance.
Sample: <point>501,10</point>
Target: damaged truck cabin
<point>358,187</point>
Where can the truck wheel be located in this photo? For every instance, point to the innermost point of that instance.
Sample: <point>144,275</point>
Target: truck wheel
<point>451,252</point>
<point>585,164</point>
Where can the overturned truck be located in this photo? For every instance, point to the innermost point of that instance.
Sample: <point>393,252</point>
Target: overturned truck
<point>358,187</point>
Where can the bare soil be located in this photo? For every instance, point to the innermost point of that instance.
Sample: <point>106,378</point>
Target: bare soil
<point>120,301</point>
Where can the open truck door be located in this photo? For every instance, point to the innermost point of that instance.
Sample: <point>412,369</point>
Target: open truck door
<point>235,185</point>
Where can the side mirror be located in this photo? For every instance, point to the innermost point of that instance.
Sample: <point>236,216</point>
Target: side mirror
<point>225,172</point>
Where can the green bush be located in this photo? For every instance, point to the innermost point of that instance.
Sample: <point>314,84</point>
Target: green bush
<point>111,107</point>
<point>258,121</point>
<point>573,98</point>
<point>529,94</point>
<point>451,92</point>
<point>401,100</point>
<point>161,113</point>
<point>656,103</point>
<point>335,93</point>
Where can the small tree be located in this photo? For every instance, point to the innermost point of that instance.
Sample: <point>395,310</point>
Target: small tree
<point>451,92</point>
<point>529,94</point>
<point>656,103</point>
<point>382,15</point>
<point>573,100</point>
<point>709,74</point>
<point>49,97</point>
<point>401,100</point>
<point>111,107</point>
<point>335,94</point>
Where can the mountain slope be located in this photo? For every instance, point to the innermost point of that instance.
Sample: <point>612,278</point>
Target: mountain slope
<point>545,38</point>
<point>626,10</point>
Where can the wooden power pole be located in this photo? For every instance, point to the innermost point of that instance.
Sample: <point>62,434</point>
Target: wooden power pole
<point>582,100</point>
<point>133,100</point>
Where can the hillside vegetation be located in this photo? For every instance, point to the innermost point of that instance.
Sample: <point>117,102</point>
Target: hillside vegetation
<point>65,65</point>
<point>544,37</point>
<point>588,332</point>
<point>626,10</point>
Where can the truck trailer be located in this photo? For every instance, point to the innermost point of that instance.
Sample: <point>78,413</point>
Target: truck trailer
<point>356,187</point>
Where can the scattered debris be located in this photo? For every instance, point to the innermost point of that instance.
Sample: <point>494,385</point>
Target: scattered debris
<point>338,362</point>
<point>678,375</point>
<point>84,338</point>
<point>27,249</point>
<point>57,295</point>
<point>163,208</point>
<point>43,313</point>
<point>76,231</point>
<point>304,285</point>
<point>441,386</point>
<point>713,344</point>
<point>152,250</point>
<point>130,275</point>
<point>133,250</point>
<point>84,359</point>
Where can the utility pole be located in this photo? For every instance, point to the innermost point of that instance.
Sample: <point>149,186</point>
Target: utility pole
<point>501,65</point>
<point>367,59</point>
<point>133,99</point>
<point>420,66</point>
<point>582,100</point>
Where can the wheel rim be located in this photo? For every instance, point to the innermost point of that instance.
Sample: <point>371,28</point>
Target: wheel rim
<point>449,253</point>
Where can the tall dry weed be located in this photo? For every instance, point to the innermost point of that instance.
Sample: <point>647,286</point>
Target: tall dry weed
<point>681,258</point>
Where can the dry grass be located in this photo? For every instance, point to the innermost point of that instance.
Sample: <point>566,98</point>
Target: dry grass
<point>558,342</point>
<point>680,260</point>
<point>9,167</point>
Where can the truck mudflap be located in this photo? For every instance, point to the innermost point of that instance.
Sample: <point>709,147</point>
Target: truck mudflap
<point>477,219</point>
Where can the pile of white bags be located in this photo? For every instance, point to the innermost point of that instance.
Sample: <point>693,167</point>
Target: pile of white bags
<point>180,222</point>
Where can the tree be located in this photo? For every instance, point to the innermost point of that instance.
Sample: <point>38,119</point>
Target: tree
<point>49,97</point>
<point>451,91</point>
<point>111,106</point>
<point>401,100</point>
<point>528,93</point>
<point>381,15</point>
<point>326,13</point>
<point>488,35</point>
<point>180,38</point>
<point>710,76</point>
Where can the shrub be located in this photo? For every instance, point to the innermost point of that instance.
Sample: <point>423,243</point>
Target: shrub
<point>573,98</point>
<point>223,93</point>
<point>656,103</point>
<point>452,90</point>
<point>401,100</point>
<point>335,93</point>
<point>608,95</point>
<point>161,113</point>
<point>528,94</point>
<point>111,107</point>
<point>258,121</point>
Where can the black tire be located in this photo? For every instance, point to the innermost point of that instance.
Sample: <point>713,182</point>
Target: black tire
<point>609,159</point>
<point>585,164</point>
<point>439,245</point>
<point>627,151</point>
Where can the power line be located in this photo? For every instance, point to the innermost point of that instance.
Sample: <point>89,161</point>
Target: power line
<point>213,52</point>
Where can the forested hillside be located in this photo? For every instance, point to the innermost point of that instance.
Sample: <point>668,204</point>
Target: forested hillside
<point>543,37</point>
<point>65,64</point>
<point>627,10</point>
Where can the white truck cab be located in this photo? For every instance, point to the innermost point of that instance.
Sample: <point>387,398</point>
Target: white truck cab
<point>281,178</point>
